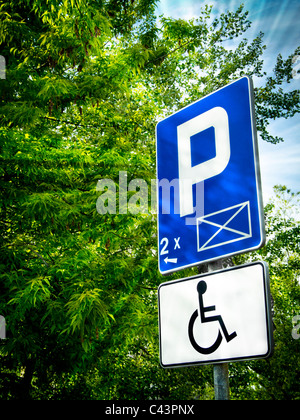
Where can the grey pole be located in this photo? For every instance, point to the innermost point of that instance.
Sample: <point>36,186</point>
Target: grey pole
<point>221,382</point>
<point>221,379</point>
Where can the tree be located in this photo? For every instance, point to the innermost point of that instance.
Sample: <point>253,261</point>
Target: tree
<point>278,377</point>
<point>85,84</point>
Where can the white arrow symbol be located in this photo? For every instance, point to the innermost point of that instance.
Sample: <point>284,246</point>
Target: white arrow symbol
<point>171,260</point>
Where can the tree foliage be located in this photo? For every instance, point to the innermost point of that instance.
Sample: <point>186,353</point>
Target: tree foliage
<point>277,377</point>
<point>86,83</point>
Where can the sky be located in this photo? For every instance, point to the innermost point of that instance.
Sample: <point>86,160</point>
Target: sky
<point>279,20</point>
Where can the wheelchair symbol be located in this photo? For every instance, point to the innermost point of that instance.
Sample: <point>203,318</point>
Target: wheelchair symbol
<point>201,289</point>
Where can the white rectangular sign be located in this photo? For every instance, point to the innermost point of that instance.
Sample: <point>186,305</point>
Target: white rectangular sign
<point>217,317</point>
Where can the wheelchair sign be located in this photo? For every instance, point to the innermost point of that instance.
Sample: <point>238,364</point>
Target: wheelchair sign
<point>217,317</point>
<point>201,288</point>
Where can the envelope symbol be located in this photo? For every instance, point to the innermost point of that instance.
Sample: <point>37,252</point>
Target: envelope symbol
<point>224,226</point>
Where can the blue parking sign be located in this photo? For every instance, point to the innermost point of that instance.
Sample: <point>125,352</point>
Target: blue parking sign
<point>208,180</point>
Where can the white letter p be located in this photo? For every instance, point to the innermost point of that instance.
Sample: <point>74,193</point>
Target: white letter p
<point>189,175</point>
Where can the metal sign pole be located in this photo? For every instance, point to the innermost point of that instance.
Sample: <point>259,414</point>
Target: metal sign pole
<point>221,378</point>
<point>221,382</point>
